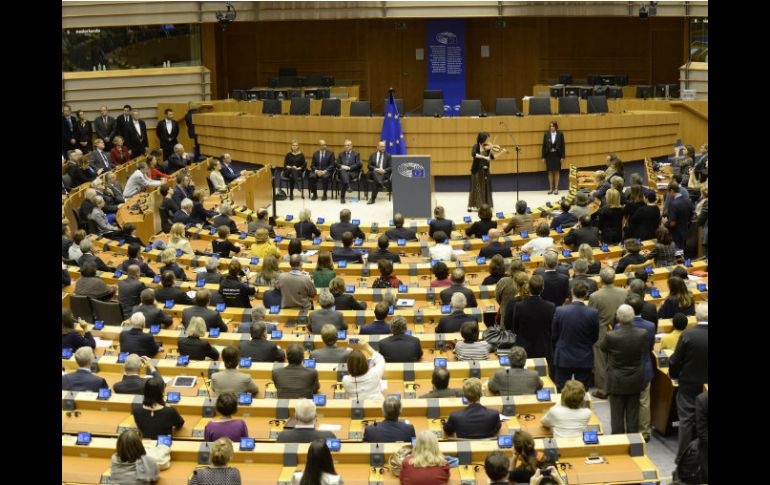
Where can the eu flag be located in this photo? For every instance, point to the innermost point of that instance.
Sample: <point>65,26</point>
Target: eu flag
<point>395,144</point>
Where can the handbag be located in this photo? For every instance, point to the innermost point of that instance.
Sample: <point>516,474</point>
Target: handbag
<point>398,457</point>
<point>499,338</point>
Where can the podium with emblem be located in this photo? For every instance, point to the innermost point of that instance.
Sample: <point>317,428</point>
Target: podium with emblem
<point>412,185</point>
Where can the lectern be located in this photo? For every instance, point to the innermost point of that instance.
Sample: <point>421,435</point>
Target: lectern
<point>412,186</point>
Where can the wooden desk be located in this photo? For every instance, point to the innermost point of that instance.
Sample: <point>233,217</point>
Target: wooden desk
<point>662,393</point>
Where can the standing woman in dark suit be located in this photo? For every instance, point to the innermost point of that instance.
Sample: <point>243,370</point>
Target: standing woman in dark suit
<point>553,155</point>
<point>85,132</point>
<point>294,165</point>
<point>481,185</point>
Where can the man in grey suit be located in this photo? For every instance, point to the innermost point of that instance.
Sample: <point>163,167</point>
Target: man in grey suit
<point>331,354</point>
<point>212,317</point>
<point>230,380</point>
<point>625,349</point>
<point>304,431</point>
<point>295,381</point>
<point>129,290</point>
<point>296,287</point>
<point>257,315</point>
<point>83,379</point>
<point>325,314</point>
<point>259,348</point>
<point>517,380</point>
<point>152,314</point>
<point>105,127</point>
<point>451,323</point>
<point>607,300</point>
<point>100,159</point>
<point>132,382</point>
<point>440,381</point>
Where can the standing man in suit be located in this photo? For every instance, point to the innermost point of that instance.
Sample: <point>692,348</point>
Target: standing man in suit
<point>105,127</point>
<point>83,378</point>
<point>136,135</point>
<point>123,122</point>
<point>400,347</point>
<point>553,153</point>
<point>689,363</point>
<point>132,382</point>
<point>212,318</point>
<point>532,321</point>
<point>555,283</point>
<point>229,379</point>
<point>580,270</point>
<point>390,430</point>
<point>167,131</point>
<point>702,432</point>
<point>349,166</point>
<point>294,381</point>
<point>625,348</point>
<point>330,354</point>
<point>69,130</point>
<point>259,348</point>
<point>458,285</point>
<point>304,431</point>
<point>379,170</point>
<point>475,421</point>
<point>134,341</point>
<point>517,380</point>
<point>129,290</point>
<point>574,332</point>
<point>451,323</point>
<point>680,212</point>
<point>321,167</point>
<point>606,300</point>
<point>636,303</point>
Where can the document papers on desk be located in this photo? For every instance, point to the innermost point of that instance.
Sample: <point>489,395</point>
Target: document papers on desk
<point>191,294</point>
<point>102,343</point>
<point>329,427</point>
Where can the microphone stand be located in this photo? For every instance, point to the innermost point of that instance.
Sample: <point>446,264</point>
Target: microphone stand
<point>518,149</point>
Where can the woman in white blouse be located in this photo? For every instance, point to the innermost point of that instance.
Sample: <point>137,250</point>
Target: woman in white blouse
<point>215,176</point>
<point>543,241</point>
<point>177,239</point>
<point>364,382</point>
<point>570,418</point>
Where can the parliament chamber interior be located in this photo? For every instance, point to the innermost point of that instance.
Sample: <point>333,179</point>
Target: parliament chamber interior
<point>237,307</point>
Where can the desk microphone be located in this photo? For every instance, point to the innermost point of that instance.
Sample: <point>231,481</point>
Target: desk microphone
<point>508,378</point>
<point>203,378</point>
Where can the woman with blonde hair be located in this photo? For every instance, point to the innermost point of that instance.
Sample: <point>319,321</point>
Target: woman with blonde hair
<point>586,252</point>
<point>610,218</point>
<point>119,153</point>
<point>177,239</point>
<point>218,473</point>
<point>294,166</point>
<point>569,418</point>
<point>215,176</point>
<point>305,228</point>
<point>425,465</point>
<point>168,258</point>
<point>192,345</point>
<point>269,272</point>
<point>263,246</point>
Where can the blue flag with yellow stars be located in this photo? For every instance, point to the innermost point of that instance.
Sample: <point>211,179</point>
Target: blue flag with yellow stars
<point>395,143</point>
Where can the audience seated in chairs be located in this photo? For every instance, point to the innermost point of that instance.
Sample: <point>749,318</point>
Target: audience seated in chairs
<point>91,285</point>
<point>226,426</point>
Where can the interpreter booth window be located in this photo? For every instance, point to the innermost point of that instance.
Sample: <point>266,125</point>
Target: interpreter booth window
<point>108,48</point>
<point>699,39</point>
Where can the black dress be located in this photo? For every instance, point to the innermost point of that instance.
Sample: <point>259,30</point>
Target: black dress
<point>293,160</point>
<point>481,184</point>
<point>553,153</point>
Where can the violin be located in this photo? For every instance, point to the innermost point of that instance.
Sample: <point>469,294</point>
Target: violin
<point>494,148</point>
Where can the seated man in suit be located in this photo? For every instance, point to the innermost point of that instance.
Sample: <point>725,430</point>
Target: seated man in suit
<point>212,274</point>
<point>379,170</point>
<point>566,219</point>
<point>200,309</point>
<point>556,284</point>
<point>326,315</point>
<point>229,173</point>
<point>321,167</point>
<point>440,223</point>
<point>169,290</point>
<point>259,348</point>
<point>378,326</point>
<point>262,220</point>
<point>389,430</point>
<point>582,233</point>
<point>521,221</point>
<point>346,252</point>
<point>475,421</point>
<point>135,258</point>
<point>224,218</point>
<point>184,188</point>
<point>339,228</point>
<point>400,347</point>
<point>517,380</point>
<point>451,323</point>
<point>83,379</point>
<point>580,268</point>
<point>399,231</point>
<point>179,159</point>
<point>458,280</point>
<point>152,314</point>
<point>184,213</point>
<point>382,251</point>
<point>134,341</point>
<point>440,382</point>
<point>495,246</point>
<point>257,315</point>
<point>330,354</point>
<point>348,166</point>
<point>304,430</point>
<point>229,379</point>
<point>86,247</point>
<point>129,290</point>
<point>295,381</point>
<point>132,382</point>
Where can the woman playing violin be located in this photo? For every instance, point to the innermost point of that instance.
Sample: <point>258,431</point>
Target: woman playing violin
<point>481,184</point>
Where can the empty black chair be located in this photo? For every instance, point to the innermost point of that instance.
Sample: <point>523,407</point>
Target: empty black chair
<point>568,105</point>
<point>330,107</point>
<point>470,107</point>
<point>541,106</point>
<point>81,308</point>
<point>299,106</point>
<point>107,311</point>
<point>433,94</point>
<point>506,107</point>
<point>314,80</point>
<point>597,104</point>
<point>360,108</point>
<point>271,106</point>
<point>399,106</point>
<point>432,107</point>
<point>81,224</point>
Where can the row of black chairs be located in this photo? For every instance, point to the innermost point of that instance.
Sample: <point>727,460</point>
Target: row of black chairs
<point>360,182</point>
<point>91,309</point>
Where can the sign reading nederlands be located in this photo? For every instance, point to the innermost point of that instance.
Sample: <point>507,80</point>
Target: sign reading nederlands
<point>446,61</point>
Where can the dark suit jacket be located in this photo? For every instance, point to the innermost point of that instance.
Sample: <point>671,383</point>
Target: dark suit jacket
<point>164,137</point>
<point>100,265</point>
<point>97,161</point>
<point>679,214</point>
<point>451,323</point>
<point>322,316</point>
<point>105,131</point>
<point>262,351</point>
<point>326,164</point>
<point>389,431</point>
<point>495,248</point>
<point>144,268</point>
<point>650,313</point>
<point>295,382</point>
<point>353,161</point>
<point>386,165</point>
<point>689,362</point>
<point>401,233</point>
<point>196,348</point>
<point>229,173</point>
<point>625,349</point>
<point>121,126</point>
<point>129,290</point>
<point>401,348</point>
<point>346,301</point>
<point>480,228</point>
<point>515,382</point>
<point>348,254</point>
<point>82,380</point>
<point>446,295</point>
<point>379,254</point>
<point>434,394</point>
<point>555,287</point>
<point>180,193</point>
<point>475,421</point>
<point>558,145</point>
<point>306,230</point>
<point>211,276</point>
<point>132,384</point>
<point>446,225</point>
<point>212,317</point>
<point>181,216</point>
<point>377,327</point>
<point>153,315</point>
<point>67,134</point>
<point>532,325</point>
<point>172,293</point>
<point>338,228</point>
<point>223,220</point>
<point>574,332</point>
<point>176,162</point>
<point>302,435</point>
<point>137,144</point>
<point>134,341</point>
<point>591,284</point>
<point>580,235</point>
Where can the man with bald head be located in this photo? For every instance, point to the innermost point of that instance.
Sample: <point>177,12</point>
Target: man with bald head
<point>228,171</point>
<point>132,382</point>
<point>349,166</point>
<point>321,167</point>
<point>105,127</point>
<point>458,285</point>
<point>495,246</point>
<point>400,232</point>
<point>379,170</point>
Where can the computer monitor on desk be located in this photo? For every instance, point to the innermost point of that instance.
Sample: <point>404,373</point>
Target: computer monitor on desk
<point>607,79</point>
<point>319,93</point>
